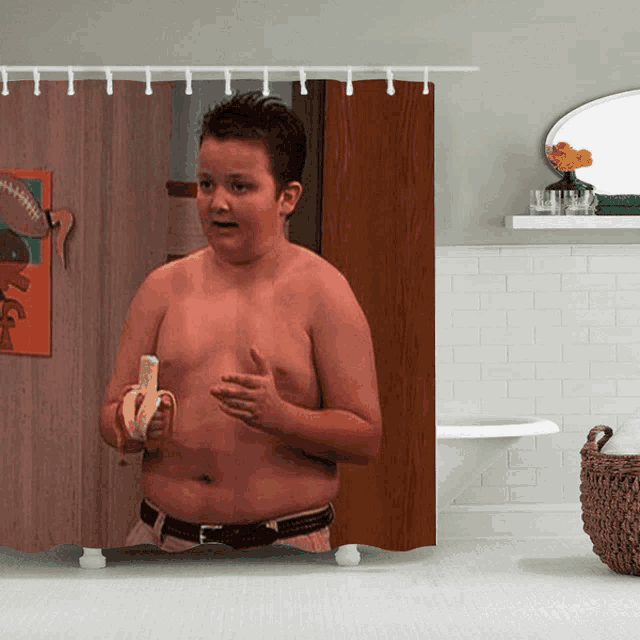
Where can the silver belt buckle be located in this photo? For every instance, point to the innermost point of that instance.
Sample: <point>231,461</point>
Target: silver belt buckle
<point>207,526</point>
<point>271,528</point>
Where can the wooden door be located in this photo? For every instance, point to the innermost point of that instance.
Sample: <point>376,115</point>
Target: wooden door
<point>378,230</point>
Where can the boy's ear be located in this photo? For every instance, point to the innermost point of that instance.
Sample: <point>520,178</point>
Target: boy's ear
<point>292,193</point>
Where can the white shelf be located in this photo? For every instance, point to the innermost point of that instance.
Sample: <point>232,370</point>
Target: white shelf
<point>572,222</point>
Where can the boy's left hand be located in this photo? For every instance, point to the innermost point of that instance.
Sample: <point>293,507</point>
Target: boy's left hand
<point>253,399</point>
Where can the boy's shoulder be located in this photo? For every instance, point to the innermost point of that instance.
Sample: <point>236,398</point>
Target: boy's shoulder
<point>170,271</point>
<point>310,263</point>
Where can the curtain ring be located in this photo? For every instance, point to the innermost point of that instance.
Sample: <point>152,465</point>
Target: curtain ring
<point>36,81</point>
<point>187,73</point>
<point>390,89</point>
<point>425,91</point>
<point>265,82</point>
<point>109,75</point>
<point>5,81</point>
<point>70,91</point>
<point>303,79</point>
<point>148,74</point>
<point>227,81</point>
<point>349,82</point>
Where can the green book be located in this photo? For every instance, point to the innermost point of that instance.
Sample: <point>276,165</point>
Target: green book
<point>624,205</point>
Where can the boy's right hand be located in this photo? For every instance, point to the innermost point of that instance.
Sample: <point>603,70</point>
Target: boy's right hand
<point>159,425</point>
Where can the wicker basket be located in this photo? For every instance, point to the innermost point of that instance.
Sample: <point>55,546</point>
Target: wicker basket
<point>609,493</point>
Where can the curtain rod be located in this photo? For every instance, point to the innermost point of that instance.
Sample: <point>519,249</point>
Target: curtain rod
<point>227,70</point>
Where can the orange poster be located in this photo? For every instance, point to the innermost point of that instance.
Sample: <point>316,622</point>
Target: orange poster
<point>25,273</point>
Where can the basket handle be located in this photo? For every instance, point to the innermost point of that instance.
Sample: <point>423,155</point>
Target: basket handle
<point>591,445</point>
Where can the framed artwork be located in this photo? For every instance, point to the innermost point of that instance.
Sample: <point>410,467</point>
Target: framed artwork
<point>25,276</point>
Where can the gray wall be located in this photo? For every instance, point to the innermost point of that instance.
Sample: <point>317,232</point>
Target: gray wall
<point>188,112</point>
<point>538,61</point>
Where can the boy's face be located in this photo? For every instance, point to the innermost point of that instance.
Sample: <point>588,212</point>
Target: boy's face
<point>235,184</point>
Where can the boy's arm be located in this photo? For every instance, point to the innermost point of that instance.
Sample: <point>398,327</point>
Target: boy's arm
<point>139,337</point>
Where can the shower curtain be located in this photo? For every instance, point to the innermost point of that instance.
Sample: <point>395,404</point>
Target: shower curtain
<point>109,158</point>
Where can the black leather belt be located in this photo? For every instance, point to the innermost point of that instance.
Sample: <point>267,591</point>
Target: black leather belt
<point>240,536</point>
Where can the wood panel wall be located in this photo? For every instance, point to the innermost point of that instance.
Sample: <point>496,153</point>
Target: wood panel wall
<point>59,482</point>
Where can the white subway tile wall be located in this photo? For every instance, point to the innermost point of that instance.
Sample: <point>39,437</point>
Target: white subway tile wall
<point>550,331</point>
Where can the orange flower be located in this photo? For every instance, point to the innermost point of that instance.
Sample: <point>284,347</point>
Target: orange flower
<point>564,158</point>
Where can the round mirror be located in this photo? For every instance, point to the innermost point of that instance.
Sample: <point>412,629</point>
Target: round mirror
<point>608,129</point>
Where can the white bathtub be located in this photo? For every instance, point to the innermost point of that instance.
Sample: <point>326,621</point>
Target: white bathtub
<point>468,445</point>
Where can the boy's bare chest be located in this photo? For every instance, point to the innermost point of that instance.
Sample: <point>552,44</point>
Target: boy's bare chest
<point>209,333</point>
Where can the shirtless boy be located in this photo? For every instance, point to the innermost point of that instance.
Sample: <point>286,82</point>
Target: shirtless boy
<point>265,348</point>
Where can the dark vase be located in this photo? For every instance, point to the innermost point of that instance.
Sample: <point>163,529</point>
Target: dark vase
<point>569,182</point>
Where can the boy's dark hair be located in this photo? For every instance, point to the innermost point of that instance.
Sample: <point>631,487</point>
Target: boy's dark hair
<point>256,117</point>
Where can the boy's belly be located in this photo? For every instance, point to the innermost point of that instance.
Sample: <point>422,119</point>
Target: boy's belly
<point>263,496</point>
<point>253,483</point>
<point>216,469</point>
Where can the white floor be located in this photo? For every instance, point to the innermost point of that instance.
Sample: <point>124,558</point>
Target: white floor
<point>552,589</point>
